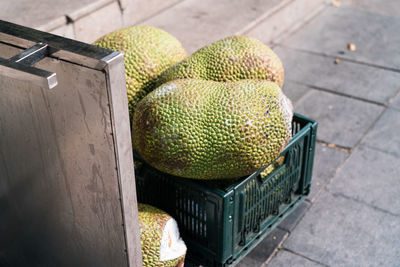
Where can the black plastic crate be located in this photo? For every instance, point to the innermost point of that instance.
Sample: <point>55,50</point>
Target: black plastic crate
<point>221,224</point>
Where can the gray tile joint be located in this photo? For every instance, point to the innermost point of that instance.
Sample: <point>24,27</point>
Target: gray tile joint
<point>391,101</point>
<point>340,93</point>
<point>307,20</point>
<point>363,203</point>
<point>160,11</point>
<point>88,9</point>
<point>369,128</point>
<point>276,249</point>
<point>349,149</point>
<point>305,257</point>
<point>393,154</point>
<point>299,218</point>
<point>334,146</point>
<point>308,201</point>
<point>304,95</point>
<point>122,5</point>
<point>349,153</point>
<point>341,58</point>
<point>263,17</point>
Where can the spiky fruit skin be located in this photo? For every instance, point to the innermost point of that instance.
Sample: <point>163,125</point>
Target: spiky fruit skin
<point>148,51</point>
<point>212,130</point>
<point>272,167</point>
<point>231,59</point>
<point>151,223</point>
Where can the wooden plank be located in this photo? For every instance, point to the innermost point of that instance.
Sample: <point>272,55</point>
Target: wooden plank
<point>124,156</point>
<point>59,178</point>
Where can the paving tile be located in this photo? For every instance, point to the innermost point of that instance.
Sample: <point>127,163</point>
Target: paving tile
<point>196,24</point>
<point>330,32</point>
<point>286,259</point>
<point>104,20</point>
<point>294,91</point>
<point>326,162</point>
<point>290,222</point>
<point>135,11</point>
<point>264,249</point>
<point>342,121</point>
<point>347,78</point>
<point>39,13</point>
<point>288,14</point>
<point>52,24</point>
<point>395,103</point>
<point>385,135</point>
<point>341,232</point>
<point>388,8</point>
<point>88,9</point>
<point>65,31</point>
<point>372,177</point>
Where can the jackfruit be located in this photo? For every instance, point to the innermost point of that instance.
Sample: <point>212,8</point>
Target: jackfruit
<point>159,238</point>
<point>212,130</point>
<point>147,51</point>
<point>231,59</point>
<point>275,165</point>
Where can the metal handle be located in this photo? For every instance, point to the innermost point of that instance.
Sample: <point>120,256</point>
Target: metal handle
<point>19,67</point>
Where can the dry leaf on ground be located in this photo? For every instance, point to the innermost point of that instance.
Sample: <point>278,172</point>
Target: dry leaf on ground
<point>351,47</point>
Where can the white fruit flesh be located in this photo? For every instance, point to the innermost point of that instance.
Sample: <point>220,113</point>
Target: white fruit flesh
<point>172,245</point>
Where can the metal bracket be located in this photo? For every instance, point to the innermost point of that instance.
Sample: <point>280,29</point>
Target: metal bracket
<point>20,67</point>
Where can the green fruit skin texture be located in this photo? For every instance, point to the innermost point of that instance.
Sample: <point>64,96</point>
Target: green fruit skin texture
<point>231,59</point>
<point>212,130</point>
<point>147,51</point>
<point>151,224</point>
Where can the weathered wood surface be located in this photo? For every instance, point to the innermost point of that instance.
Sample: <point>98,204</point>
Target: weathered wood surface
<point>60,176</point>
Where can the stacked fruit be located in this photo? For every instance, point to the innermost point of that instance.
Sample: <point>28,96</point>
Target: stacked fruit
<point>217,114</point>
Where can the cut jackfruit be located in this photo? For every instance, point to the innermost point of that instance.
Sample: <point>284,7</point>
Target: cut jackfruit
<point>159,238</point>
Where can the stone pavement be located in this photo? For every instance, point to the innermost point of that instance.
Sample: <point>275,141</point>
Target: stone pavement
<point>352,215</point>
<point>83,20</point>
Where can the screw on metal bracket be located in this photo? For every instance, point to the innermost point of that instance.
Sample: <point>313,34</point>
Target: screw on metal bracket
<point>20,67</point>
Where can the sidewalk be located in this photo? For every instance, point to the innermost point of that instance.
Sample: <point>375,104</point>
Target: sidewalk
<point>352,215</point>
<point>82,20</point>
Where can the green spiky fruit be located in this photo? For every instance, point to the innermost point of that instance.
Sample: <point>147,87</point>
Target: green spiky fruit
<point>212,130</point>
<point>148,51</point>
<point>159,238</point>
<point>230,59</point>
<point>275,165</point>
